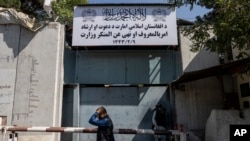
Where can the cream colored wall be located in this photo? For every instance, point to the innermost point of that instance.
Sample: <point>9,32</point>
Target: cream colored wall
<point>192,61</point>
<point>200,97</point>
<point>31,77</point>
<point>236,53</point>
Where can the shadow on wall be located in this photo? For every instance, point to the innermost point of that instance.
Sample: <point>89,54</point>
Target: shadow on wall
<point>137,113</point>
<point>146,122</point>
<point>69,64</point>
<point>129,67</point>
<point>121,96</point>
<point>109,96</point>
<point>67,112</point>
<point>16,37</point>
<point>200,60</point>
<point>130,104</point>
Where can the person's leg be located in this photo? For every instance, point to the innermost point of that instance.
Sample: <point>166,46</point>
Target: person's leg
<point>162,137</point>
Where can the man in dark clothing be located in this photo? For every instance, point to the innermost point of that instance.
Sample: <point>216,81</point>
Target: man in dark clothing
<point>159,121</point>
<point>105,125</point>
<point>160,116</point>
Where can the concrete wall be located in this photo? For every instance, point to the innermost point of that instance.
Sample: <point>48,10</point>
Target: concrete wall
<point>128,107</point>
<point>219,121</point>
<point>195,101</point>
<point>192,61</point>
<point>9,37</point>
<point>203,97</point>
<point>31,77</point>
<point>125,67</point>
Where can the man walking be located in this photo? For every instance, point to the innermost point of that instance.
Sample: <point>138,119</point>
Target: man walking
<point>105,125</point>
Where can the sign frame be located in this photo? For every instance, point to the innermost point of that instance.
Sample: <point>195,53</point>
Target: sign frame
<point>124,25</point>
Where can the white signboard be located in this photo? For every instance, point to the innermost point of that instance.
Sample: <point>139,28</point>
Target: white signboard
<point>124,25</point>
<point>130,1</point>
